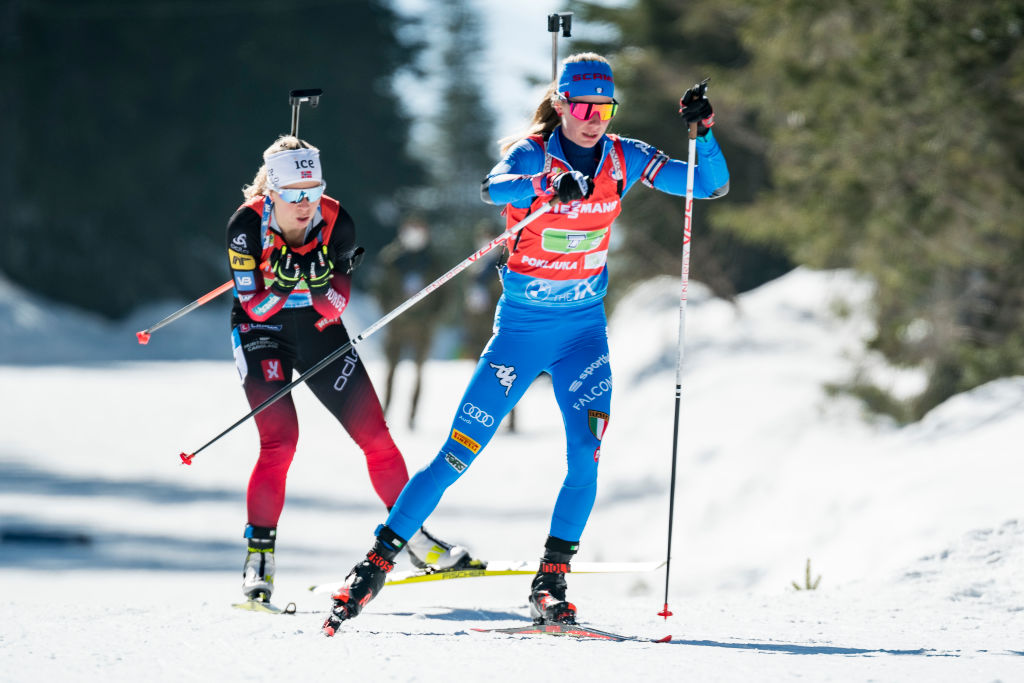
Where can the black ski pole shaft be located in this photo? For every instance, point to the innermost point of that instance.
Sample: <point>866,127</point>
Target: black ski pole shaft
<point>186,458</point>
<point>685,280</point>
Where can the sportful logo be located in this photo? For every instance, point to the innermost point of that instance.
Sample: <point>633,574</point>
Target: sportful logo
<point>506,375</point>
<point>481,416</point>
<point>588,371</point>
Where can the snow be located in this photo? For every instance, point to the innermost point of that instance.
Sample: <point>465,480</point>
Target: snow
<point>120,564</point>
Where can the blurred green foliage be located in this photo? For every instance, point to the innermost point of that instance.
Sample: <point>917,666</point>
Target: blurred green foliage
<point>132,126</point>
<point>885,136</point>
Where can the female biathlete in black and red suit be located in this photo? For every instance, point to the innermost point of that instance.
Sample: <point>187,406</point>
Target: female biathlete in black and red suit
<point>292,250</point>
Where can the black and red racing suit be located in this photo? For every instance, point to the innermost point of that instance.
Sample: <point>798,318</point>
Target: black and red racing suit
<point>274,335</point>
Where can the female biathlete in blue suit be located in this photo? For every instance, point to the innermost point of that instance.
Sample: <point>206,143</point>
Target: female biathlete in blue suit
<point>551,315</point>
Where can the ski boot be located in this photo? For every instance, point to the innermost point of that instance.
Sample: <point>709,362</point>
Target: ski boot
<point>258,572</point>
<point>428,551</point>
<point>365,580</point>
<point>547,592</point>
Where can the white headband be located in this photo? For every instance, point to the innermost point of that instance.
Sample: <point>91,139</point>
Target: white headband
<point>293,166</point>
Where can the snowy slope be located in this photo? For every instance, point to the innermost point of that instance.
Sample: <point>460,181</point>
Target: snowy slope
<point>118,563</point>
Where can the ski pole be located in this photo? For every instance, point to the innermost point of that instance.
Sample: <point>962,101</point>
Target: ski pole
<point>143,335</point>
<point>186,458</point>
<point>296,98</point>
<point>563,21</point>
<point>691,155</point>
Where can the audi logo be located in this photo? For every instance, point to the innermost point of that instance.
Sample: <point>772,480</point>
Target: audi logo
<point>477,414</point>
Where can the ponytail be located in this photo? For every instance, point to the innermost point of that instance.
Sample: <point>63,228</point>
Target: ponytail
<point>545,118</point>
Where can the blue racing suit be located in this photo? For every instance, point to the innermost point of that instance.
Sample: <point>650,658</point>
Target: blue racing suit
<point>551,316</point>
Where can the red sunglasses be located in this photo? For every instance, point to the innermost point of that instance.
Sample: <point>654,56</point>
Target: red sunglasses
<point>584,111</point>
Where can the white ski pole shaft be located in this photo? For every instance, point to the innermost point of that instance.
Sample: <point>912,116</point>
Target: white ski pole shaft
<point>186,458</point>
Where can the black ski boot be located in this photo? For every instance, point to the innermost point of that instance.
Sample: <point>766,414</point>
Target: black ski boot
<point>258,572</point>
<point>547,593</point>
<point>365,580</point>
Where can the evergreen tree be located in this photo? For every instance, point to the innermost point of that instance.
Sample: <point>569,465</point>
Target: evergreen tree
<point>895,134</point>
<point>659,48</point>
<point>886,136</point>
<point>463,148</point>
<point>136,125</point>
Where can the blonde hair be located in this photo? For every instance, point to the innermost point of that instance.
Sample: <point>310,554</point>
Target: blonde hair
<point>283,143</point>
<point>545,118</point>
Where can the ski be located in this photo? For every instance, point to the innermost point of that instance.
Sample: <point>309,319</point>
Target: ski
<point>572,631</point>
<point>496,568</point>
<point>266,607</point>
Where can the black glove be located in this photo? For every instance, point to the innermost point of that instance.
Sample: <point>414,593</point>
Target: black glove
<point>350,261</point>
<point>694,107</point>
<point>288,269</point>
<point>572,185</point>
<point>317,268</point>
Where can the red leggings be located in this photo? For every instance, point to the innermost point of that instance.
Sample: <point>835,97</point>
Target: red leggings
<point>266,354</point>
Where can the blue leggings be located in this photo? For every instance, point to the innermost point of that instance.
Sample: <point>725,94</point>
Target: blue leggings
<point>571,346</point>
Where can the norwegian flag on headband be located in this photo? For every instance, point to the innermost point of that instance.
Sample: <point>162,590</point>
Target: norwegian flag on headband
<point>307,174</point>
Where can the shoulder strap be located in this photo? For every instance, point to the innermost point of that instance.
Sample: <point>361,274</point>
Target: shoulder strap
<point>618,168</point>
